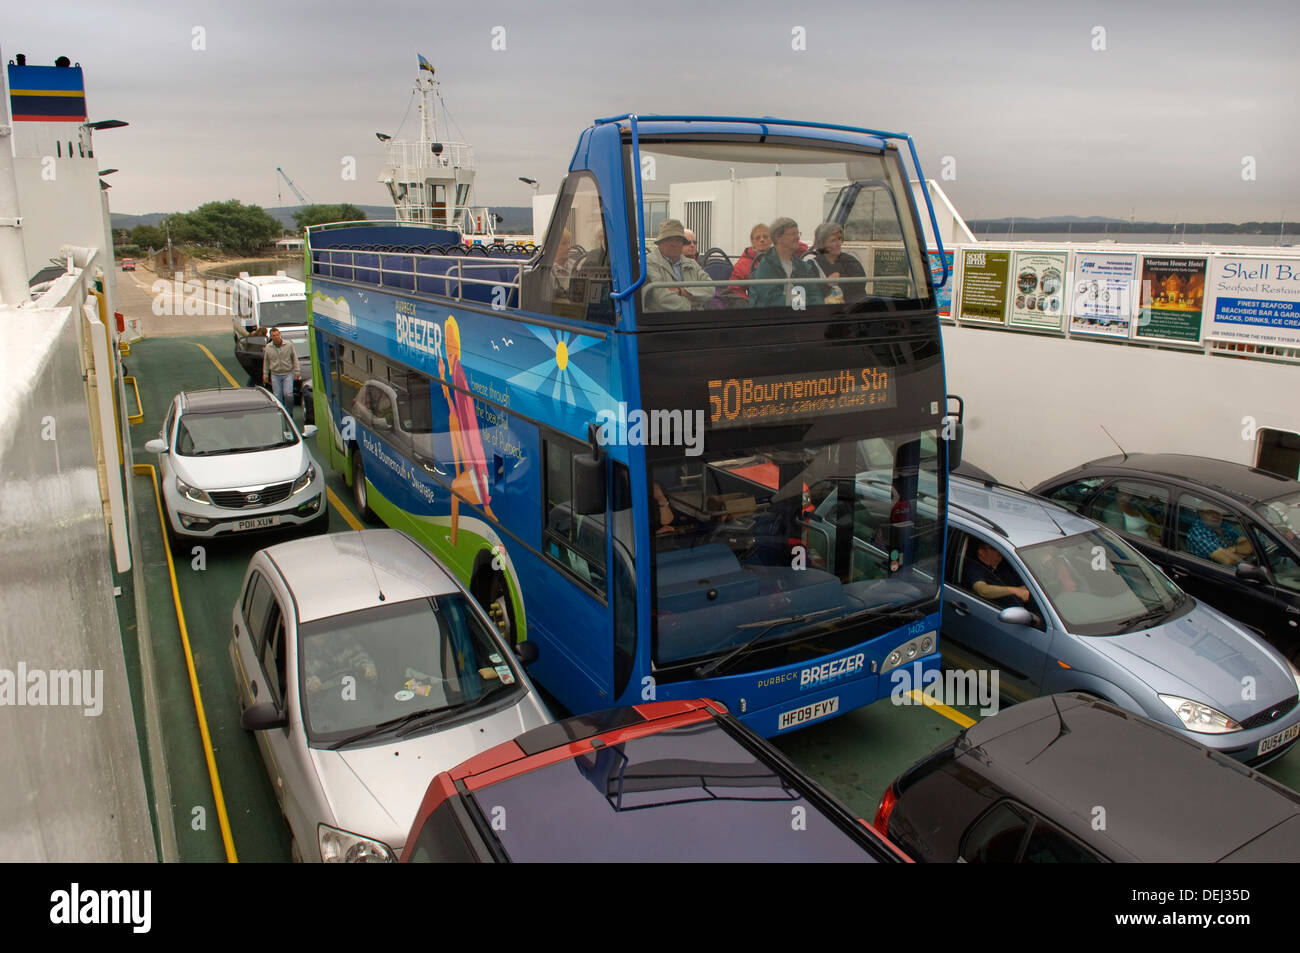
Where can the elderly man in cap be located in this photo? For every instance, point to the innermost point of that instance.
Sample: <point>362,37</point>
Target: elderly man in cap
<point>667,264</point>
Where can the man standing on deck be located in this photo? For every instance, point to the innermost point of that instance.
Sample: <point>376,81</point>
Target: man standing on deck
<point>280,369</point>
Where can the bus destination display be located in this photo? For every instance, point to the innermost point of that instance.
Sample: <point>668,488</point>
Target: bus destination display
<point>739,401</point>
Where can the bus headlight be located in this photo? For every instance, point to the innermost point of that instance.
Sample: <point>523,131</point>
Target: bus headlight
<point>909,651</point>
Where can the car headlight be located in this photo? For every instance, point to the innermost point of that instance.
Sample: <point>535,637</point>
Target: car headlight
<point>192,493</point>
<point>341,847</point>
<point>304,481</point>
<point>1295,673</point>
<point>1197,716</point>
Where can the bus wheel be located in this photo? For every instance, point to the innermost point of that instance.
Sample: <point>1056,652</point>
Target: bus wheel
<point>359,492</point>
<point>499,608</point>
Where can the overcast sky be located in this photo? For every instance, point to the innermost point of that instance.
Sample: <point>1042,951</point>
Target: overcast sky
<point>1037,122</point>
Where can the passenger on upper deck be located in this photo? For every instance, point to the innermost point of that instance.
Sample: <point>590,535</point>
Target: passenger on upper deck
<point>690,249</point>
<point>782,261</point>
<point>561,268</point>
<point>760,240</point>
<point>665,264</point>
<point>828,241</point>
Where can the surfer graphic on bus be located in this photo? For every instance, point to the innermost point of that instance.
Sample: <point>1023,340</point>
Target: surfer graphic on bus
<point>471,480</point>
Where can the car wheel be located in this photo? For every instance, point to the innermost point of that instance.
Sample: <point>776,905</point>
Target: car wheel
<point>360,493</point>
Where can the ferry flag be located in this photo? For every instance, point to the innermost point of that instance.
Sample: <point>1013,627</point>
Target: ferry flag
<point>425,64</point>
<point>47,93</point>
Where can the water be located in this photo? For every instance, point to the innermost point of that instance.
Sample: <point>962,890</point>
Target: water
<point>1191,238</point>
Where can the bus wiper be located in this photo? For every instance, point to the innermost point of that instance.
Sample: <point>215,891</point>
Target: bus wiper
<point>883,612</point>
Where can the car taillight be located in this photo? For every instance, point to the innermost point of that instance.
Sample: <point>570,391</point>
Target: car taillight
<point>887,805</point>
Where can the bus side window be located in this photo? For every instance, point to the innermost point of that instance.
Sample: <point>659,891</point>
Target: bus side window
<point>573,278</point>
<point>575,542</point>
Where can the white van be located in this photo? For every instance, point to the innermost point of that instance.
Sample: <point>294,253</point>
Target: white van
<point>267,301</point>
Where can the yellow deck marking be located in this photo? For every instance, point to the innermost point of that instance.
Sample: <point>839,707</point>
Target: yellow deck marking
<point>951,714</point>
<point>233,382</point>
<point>343,510</point>
<point>222,818</point>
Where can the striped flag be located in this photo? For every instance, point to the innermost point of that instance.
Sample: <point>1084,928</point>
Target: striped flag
<point>425,64</point>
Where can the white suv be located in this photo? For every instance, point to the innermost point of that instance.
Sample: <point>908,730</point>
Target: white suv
<point>232,462</point>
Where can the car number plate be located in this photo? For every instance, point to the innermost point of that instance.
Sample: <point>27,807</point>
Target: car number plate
<point>1281,738</point>
<point>261,522</point>
<point>807,713</point>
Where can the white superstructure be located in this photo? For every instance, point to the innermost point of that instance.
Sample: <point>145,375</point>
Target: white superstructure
<point>431,177</point>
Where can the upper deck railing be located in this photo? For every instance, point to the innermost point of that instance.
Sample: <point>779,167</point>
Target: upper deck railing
<point>418,154</point>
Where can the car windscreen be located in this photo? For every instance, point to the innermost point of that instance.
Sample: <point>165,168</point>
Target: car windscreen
<point>400,661</point>
<point>1283,516</point>
<point>691,793</point>
<point>234,431</point>
<point>279,314</point>
<point>1100,585</point>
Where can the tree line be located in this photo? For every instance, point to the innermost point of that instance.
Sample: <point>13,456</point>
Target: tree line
<point>230,227</point>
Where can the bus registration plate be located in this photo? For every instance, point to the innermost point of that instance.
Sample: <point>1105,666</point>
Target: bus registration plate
<point>807,713</point>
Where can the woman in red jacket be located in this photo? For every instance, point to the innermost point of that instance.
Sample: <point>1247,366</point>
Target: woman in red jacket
<point>760,240</point>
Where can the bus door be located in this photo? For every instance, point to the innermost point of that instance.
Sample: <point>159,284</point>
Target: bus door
<point>573,605</point>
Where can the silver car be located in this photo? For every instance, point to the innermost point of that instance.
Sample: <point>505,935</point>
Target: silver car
<point>232,461</point>
<point>364,668</point>
<point>1057,603</point>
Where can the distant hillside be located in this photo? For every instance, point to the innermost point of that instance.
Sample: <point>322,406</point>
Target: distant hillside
<point>516,218</point>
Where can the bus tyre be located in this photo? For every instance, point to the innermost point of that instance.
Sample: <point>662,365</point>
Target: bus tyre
<point>360,494</point>
<point>498,606</point>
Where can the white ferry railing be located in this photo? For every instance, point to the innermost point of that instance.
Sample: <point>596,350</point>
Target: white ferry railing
<point>419,155</point>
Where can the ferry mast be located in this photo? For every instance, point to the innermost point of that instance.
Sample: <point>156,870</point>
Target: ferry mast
<point>431,179</point>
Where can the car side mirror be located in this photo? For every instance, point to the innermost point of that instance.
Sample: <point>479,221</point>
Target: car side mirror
<point>309,431</point>
<point>1016,615</point>
<point>526,652</point>
<point>156,446</point>
<point>262,717</point>
<point>1251,572</point>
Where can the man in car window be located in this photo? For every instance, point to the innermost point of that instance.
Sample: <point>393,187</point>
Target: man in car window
<point>1208,539</point>
<point>990,578</point>
<point>332,655</point>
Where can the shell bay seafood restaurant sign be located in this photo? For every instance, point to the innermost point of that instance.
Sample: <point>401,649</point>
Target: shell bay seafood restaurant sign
<point>1256,300</point>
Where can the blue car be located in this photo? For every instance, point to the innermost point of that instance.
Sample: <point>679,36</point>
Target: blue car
<point>1057,603</point>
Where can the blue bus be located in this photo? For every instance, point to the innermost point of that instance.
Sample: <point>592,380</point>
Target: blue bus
<point>665,480</point>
